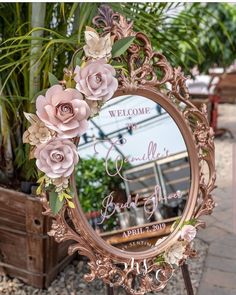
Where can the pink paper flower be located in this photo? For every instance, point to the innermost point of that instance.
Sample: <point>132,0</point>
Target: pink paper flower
<point>96,80</point>
<point>188,233</point>
<point>56,158</point>
<point>64,111</point>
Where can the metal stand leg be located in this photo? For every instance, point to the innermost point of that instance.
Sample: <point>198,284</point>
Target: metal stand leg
<point>187,279</point>
<point>110,290</point>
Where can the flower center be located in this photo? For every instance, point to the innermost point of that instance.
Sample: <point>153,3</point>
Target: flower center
<point>98,78</point>
<point>57,156</point>
<point>65,108</point>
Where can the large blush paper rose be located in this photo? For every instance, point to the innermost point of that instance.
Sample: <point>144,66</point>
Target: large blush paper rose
<point>188,232</point>
<point>64,111</point>
<point>56,158</point>
<point>96,80</point>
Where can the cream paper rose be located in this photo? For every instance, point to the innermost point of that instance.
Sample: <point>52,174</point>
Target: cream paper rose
<point>38,132</point>
<point>56,158</point>
<point>188,232</point>
<point>64,111</point>
<point>97,47</point>
<point>175,253</point>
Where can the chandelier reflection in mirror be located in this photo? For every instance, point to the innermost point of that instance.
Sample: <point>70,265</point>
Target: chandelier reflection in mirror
<point>145,170</point>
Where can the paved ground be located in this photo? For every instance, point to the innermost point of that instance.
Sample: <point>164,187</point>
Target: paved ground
<point>219,275</point>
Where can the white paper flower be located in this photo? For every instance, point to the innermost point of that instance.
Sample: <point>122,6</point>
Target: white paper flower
<point>97,47</point>
<point>188,232</point>
<point>175,253</point>
<point>37,133</point>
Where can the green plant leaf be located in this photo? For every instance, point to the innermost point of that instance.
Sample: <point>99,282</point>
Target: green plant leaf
<point>42,92</point>
<point>54,202</point>
<point>52,79</point>
<point>121,46</point>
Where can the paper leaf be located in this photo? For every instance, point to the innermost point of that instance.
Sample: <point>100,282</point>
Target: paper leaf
<point>54,202</point>
<point>32,118</point>
<point>70,204</point>
<point>39,190</point>
<point>121,46</point>
<point>52,79</point>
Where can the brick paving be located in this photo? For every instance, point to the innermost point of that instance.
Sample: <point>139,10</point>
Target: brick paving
<point>219,275</point>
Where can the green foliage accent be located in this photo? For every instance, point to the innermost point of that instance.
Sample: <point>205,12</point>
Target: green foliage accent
<point>121,46</point>
<point>41,183</point>
<point>52,79</point>
<point>54,202</point>
<point>192,222</point>
<point>64,195</point>
<point>160,260</point>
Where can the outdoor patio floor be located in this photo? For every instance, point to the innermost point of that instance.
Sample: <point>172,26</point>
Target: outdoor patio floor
<point>219,275</point>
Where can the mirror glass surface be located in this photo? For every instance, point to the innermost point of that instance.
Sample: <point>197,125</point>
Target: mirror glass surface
<point>133,177</point>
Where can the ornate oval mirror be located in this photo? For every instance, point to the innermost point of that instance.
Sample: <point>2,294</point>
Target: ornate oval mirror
<point>143,157</point>
<point>145,169</point>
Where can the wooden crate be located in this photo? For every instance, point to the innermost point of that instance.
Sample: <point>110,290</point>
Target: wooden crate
<point>26,251</point>
<point>226,88</point>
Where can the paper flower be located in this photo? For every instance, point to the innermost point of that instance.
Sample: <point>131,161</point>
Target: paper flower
<point>60,183</point>
<point>96,80</point>
<point>175,253</point>
<point>188,233</point>
<point>64,111</point>
<point>37,133</point>
<point>95,106</point>
<point>97,47</point>
<point>56,158</point>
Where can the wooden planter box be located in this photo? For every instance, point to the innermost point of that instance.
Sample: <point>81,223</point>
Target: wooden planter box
<point>26,251</point>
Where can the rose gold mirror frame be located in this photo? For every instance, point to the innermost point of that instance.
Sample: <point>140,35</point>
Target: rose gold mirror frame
<point>171,93</point>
